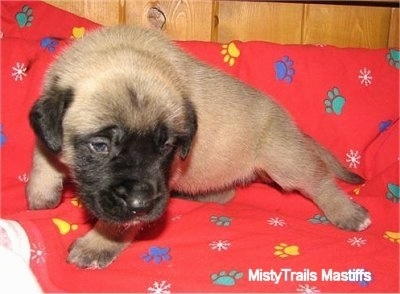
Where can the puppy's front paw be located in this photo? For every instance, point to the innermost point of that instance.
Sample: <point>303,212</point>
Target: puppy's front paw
<point>350,217</point>
<point>85,253</point>
<point>42,195</point>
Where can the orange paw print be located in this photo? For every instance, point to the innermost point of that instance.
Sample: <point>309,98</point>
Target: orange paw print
<point>284,250</point>
<point>63,226</point>
<point>392,236</point>
<point>230,52</point>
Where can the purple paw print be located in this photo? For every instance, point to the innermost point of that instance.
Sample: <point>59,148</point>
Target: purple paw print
<point>284,69</point>
<point>49,44</point>
<point>157,254</point>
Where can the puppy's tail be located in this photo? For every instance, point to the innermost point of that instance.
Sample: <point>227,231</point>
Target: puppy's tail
<point>334,165</point>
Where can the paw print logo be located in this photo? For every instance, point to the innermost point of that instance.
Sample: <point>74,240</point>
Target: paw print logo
<point>3,137</point>
<point>284,69</point>
<point>78,32</point>
<point>393,192</point>
<point>221,220</point>
<point>392,236</point>
<point>24,17</point>
<point>157,254</point>
<point>393,57</point>
<point>283,250</point>
<point>230,52</point>
<point>63,226</point>
<point>49,44</point>
<point>335,102</point>
<point>319,219</point>
<point>224,278</point>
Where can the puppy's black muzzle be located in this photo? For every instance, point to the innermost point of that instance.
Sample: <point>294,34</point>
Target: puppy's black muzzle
<point>138,197</point>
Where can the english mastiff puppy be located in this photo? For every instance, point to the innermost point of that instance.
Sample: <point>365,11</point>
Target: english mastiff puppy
<point>133,119</point>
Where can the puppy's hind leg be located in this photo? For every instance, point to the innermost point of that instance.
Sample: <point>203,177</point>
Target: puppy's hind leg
<point>45,181</point>
<point>297,167</point>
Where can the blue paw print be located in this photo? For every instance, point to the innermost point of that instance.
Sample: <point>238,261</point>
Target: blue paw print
<point>157,254</point>
<point>394,58</point>
<point>221,220</point>
<point>284,69</point>
<point>24,17</point>
<point>393,193</point>
<point>319,219</point>
<point>49,44</point>
<point>3,137</point>
<point>384,125</point>
<point>335,102</point>
<point>226,279</point>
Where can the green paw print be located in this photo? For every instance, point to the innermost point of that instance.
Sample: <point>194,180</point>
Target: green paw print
<point>319,219</point>
<point>394,58</point>
<point>335,102</point>
<point>24,17</point>
<point>221,220</point>
<point>226,279</point>
<point>393,192</point>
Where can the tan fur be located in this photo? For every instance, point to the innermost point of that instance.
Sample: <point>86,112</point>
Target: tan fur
<point>242,135</point>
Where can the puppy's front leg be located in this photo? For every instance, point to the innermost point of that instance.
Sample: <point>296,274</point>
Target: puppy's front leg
<point>46,179</point>
<point>100,246</point>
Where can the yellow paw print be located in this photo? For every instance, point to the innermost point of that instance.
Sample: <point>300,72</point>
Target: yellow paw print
<point>76,202</point>
<point>230,52</point>
<point>63,226</point>
<point>77,33</point>
<point>392,236</point>
<point>284,250</point>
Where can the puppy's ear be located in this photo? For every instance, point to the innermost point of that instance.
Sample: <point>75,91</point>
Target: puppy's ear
<point>190,129</point>
<point>46,116</point>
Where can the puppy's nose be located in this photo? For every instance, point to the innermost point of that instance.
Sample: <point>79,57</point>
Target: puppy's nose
<point>138,196</point>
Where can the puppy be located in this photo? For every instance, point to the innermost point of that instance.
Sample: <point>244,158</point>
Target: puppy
<point>131,118</point>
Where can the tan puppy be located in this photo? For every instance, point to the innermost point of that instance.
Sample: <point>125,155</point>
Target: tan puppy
<point>131,118</point>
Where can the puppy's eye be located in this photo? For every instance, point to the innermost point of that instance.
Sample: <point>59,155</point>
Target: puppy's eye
<point>100,145</point>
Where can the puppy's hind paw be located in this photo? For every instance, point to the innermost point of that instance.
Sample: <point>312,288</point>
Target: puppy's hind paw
<point>351,218</point>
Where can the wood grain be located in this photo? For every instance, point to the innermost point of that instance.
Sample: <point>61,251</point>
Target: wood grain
<point>274,22</point>
<point>346,26</point>
<point>185,19</point>
<point>394,29</point>
<point>224,20</point>
<point>106,12</point>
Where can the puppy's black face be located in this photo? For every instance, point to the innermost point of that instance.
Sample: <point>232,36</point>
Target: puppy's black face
<point>122,175</point>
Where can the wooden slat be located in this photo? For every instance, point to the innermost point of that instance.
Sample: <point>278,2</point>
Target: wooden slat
<point>394,29</point>
<point>185,20</point>
<point>104,12</point>
<point>274,22</point>
<point>347,26</point>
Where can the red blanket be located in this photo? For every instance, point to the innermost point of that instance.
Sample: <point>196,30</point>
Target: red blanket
<point>262,241</point>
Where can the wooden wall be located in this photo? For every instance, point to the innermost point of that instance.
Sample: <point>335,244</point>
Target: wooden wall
<point>219,20</point>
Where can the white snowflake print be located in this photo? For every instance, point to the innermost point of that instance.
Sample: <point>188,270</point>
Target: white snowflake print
<point>160,288</point>
<point>38,253</point>
<point>353,158</point>
<point>365,77</point>
<point>276,222</point>
<point>23,178</point>
<point>357,241</point>
<point>307,289</point>
<point>220,245</point>
<point>19,71</point>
